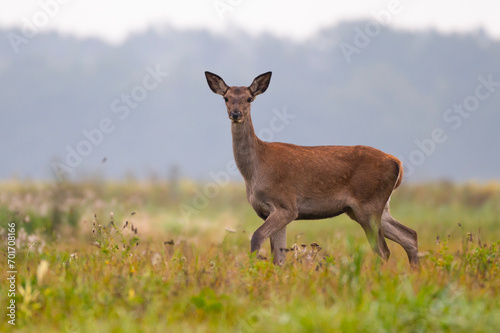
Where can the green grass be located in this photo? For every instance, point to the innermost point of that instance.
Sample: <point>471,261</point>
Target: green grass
<point>91,275</point>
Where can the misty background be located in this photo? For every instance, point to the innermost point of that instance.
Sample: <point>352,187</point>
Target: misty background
<point>392,92</point>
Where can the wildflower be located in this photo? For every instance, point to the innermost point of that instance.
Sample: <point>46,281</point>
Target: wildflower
<point>41,270</point>
<point>229,229</point>
<point>155,259</point>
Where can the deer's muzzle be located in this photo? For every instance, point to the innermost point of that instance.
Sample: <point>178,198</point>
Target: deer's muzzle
<point>235,115</point>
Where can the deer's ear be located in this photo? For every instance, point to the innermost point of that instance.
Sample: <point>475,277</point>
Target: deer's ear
<point>216,83</point>
<point>260,84</point>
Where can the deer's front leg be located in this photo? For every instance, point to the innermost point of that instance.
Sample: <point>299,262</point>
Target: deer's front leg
<point>274,227</point>
<point>278,245</point>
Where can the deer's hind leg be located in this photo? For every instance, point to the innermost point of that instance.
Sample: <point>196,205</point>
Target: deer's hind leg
<point>401,234</point>
<point>371,224</point>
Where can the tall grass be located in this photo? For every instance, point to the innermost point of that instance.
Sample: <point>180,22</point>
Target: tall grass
<point>144,268</point>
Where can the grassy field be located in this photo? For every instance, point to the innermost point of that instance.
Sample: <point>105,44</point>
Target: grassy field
<point>173,257</point>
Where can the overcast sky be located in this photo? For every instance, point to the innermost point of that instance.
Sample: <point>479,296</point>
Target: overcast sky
<point>114,20</point>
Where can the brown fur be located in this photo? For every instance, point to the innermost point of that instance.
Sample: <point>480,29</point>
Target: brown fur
<point>286,182</point>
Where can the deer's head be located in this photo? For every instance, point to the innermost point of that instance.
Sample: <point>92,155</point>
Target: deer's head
<point>238,99</point>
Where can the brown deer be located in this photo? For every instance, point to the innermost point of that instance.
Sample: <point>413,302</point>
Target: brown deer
<point>286,182</point>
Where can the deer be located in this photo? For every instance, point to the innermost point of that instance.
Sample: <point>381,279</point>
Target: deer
<point>286,182</point>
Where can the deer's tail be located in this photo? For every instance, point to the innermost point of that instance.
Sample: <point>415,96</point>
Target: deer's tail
<point>399,180</point>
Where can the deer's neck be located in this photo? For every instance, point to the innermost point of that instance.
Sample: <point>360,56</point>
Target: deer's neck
<point>245,148</point>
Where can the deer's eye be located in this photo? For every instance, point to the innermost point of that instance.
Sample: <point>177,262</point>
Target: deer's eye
<point>249,99</point>
<point>226,99</point>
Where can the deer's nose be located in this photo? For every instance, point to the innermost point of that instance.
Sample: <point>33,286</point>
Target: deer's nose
<point>235,115</point>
